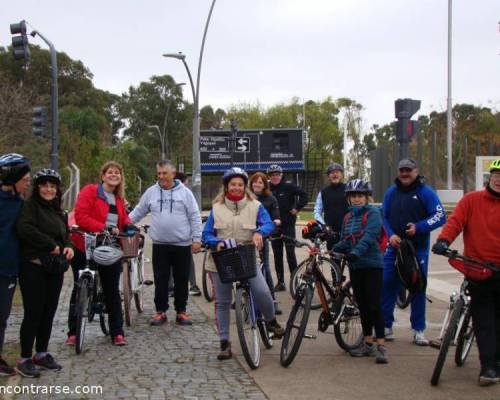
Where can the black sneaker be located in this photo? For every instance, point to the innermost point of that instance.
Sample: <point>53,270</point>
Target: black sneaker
<point>5,369</point>
<point>280,287</point>
<point>47,362</point>
<point>488,376</point>
<point>27,369</point>
<point>275,328</point>
<point>225,350</point>
<point>364,350</point>
<point>277,309</point>
<point>195,291</point>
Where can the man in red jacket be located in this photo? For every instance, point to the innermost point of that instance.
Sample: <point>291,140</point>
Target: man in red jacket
<point>477,215</point>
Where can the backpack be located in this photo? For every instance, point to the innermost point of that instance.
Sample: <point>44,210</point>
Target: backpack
<point>408,268</point>
<point>383,240</point>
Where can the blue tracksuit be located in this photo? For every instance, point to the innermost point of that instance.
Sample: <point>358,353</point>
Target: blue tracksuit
<point>420,205</point>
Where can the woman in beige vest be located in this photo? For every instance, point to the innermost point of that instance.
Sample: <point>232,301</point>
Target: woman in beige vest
<point>236,214</point>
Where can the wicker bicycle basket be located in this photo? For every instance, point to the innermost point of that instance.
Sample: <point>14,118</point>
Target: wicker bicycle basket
<point>130,246</point>
<point>236,264</point>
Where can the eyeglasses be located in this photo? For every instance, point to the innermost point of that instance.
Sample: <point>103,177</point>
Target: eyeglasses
<point>495,176</point>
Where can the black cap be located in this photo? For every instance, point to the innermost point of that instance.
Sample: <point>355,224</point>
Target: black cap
<point>407,163</point>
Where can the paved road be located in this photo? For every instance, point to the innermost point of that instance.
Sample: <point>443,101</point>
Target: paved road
<point>180,362</point>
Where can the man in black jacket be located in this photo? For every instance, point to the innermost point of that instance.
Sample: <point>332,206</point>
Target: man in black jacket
<point>331,204</point>
<point>291,200</point>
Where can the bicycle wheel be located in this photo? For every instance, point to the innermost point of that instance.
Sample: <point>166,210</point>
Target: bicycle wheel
<point>247,329</point>
<point>264,333</point>
<point>103,323</point>
<point>328,268</point>
<point>403,299</point>
<point>348,330</point>
<point>296,325</point>
<point>127,292</point>
<point>206,280</point>
<point>465,340</point>
<point>447,339</point>
<point>82,308</point>
<point>101,309</point>
<point>138,269</point>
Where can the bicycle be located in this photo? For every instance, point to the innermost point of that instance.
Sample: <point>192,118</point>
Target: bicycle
<point>132,279</point>
<point>323,262</point>
<point>90,294</point>
<point>206,279</point>
<point>457,323</point>
<point>339,310</point>
<point>404,298</point>
<point>238,265</point>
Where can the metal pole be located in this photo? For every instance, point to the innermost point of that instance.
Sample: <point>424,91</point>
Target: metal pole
<point>449,176</point>
<point>464,173</point>
<point>196,180</point>
<point>54,158</point>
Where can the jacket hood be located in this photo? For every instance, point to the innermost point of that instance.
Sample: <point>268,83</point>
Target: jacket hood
<point>419,181</point>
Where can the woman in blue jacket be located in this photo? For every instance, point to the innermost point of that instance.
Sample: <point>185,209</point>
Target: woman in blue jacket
<point>361,232</point>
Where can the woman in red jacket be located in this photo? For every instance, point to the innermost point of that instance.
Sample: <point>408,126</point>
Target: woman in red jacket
<point>100,207</point>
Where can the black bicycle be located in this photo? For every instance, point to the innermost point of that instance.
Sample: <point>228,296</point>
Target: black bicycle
<point>457,324</point>
<point>339,307</point>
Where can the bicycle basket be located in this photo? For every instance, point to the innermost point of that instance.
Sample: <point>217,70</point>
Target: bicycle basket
<point>130,246</point>
<point>236,263</point>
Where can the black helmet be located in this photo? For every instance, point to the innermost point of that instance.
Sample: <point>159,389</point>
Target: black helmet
<point>232,172</point>
<point>274,168</point>
<point>358,186</point>
<point>13,167</point>
<point>334,167</point>
<point>47,174</point>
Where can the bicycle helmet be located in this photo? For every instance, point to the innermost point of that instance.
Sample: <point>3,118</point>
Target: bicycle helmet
<point>495,165</point>
<point>232,172</point>
<point>274,168</point>
<point>13,167</point>
<point>358,186</point>
<point>334,167</point>
<point>107,255</point>
<point>47,174</point>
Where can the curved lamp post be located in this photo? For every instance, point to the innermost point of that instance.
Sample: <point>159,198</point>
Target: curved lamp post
<point>196,179</point>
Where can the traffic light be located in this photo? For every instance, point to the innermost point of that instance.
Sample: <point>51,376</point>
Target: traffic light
<point>20,48</point>
<point>40,123</point>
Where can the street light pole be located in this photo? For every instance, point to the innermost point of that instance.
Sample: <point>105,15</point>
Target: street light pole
<point>162,141</point>
<point>164,133</point>
<point>196,178</point>
<point>449,176</point>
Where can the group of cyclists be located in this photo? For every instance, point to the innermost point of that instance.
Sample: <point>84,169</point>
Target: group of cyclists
<point>36,248</point>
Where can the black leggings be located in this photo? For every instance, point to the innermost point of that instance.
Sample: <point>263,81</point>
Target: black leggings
<point>367,287</point>
<point>7,289</point>
<point>290,253</point>
<point>40,292</point>
<point>110,281</point>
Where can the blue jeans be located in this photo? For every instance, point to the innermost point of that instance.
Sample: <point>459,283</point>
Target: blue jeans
<point>392,285</point>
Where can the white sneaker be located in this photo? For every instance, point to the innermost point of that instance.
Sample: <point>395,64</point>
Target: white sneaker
<point>419,338</point>
<point>389,334</point>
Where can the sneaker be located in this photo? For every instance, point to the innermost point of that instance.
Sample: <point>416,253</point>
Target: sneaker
<point>280,287</point>
<point>183,318</point>
<point>277,309</point>
<point>419,339</point>
<point>47,362</point>
<point>158,319</point>
<point>71,340</point>
<point>435,343</point>
<point>5,369</point>
<point>276,329</point>
<point>225,350</point>
<point>488,376</point>
<point>364,350</point>
<point>119,340</point>
<point>389,334</point>
<point>381,355</point>
<point>27,369</point>
<point>195,291</point>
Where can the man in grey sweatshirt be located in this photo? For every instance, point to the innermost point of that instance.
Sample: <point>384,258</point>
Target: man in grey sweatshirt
<point>176,232</point>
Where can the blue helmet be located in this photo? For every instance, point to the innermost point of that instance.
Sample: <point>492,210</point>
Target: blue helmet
<point>232,172</point>
<point>13,167</point>
<point>274,168</point>
<point>358,186</point>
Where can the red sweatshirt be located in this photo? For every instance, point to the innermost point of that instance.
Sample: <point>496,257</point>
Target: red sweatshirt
<point>477,214</point>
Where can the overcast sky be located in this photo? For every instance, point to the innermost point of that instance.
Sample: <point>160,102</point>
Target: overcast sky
<point>373,51</point>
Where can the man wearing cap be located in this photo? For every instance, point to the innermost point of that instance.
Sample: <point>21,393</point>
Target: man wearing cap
<point>291,199</point>
<point>331,204</point>
<point>411,211</point>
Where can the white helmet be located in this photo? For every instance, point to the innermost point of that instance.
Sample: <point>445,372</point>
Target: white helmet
<point>107,255</point>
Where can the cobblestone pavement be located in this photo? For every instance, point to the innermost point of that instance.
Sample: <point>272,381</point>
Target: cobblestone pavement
<point>168,362</point>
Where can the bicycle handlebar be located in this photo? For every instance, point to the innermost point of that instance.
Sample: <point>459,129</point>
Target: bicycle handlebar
<point>449,253</point>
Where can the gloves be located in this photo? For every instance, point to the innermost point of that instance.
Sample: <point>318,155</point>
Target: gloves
<point>440,247</point>
<point>351,257</point>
